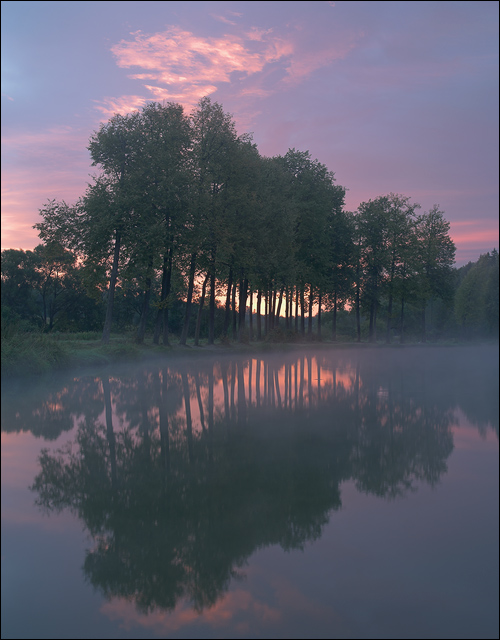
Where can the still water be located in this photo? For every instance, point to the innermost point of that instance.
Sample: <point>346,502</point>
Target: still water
<point>322,494</point>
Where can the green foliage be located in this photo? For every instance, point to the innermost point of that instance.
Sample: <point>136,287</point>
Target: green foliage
<point>32,353</point>
<point>477,298</point>
<point>181,200</point>
<point>44,290</point>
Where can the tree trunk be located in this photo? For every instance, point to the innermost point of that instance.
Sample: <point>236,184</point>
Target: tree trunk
<point>266,315</point>
<point>373,307</point>
<point>358,314</point>
<point>167,294</point>
<point>234,310</point>
<point>227,315</point>
<point>389,310</point>
<point>200,309</point>
<point>302,312</point>
<point>250,314</point>
<point>211,322</point>
<point>334,318</point>
<point>242,307</point>
<point>310,319</point>
<point>389,319</point>
<point>111,291</point>
<point>141,330</point>
<point>187,315</point>
<point>159,315</point>
<point>259,321</point>
<point>278,311</point>
<point>287,308</point>
<point>319,314</point>
<point>296,309</point>
<point>272,308</point>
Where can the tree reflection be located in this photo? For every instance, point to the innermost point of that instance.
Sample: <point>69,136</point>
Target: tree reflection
<point>180,474</point>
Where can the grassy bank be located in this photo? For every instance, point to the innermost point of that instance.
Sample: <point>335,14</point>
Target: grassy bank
<point>32,353</point>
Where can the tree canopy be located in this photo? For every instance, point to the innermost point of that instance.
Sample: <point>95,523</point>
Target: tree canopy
<point>183,208</point>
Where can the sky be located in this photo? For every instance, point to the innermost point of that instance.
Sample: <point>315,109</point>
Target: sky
<point>393,97</point>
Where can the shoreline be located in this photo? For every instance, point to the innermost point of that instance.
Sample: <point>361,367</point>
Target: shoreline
<point>34,355</point>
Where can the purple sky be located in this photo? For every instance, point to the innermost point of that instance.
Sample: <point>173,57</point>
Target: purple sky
<point>395,97</point>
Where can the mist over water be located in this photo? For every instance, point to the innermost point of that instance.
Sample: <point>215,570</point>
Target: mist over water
<point>215,491</point>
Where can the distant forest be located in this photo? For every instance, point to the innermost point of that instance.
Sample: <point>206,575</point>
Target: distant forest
<point>186,228</point>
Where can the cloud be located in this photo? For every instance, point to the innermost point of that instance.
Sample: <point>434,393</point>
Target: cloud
<point>180,66</point>
<point>223,19</point>
<point>123,105</point>
<point>302,66</point>
<point>186,94</point>
<point>177,56</point>
<point>257,34</point>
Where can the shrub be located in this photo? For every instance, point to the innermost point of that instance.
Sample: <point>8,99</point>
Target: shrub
<point>28,353</point>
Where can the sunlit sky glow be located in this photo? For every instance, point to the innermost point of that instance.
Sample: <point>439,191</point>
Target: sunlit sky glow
<point>395,97</point>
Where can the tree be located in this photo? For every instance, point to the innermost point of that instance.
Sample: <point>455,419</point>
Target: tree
<point>342,263</point>
<point>109,202</point>
<point>20,281</point>
<point>163,221</point>
<point>400,242</point>
<point>317,200</point>
<point>372,223</point>
<point>214,146</point>
<point>54,266</point>
<point>436,255</point>
<point>477,298</point>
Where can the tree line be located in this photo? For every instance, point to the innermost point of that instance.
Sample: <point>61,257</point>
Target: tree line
<point>185,214</point>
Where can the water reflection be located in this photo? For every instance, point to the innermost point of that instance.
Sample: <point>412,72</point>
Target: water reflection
<point>180,472</point>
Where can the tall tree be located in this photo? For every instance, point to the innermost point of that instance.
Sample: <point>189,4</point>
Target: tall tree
<point>109,202</point>
<point>342,260</point>
<point>317,200</point>
<point>214,147</point>
<point>435,260</point>
<point>373,230</point>
<point>400,224</point>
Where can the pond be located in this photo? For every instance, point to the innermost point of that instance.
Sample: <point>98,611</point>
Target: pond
<point>327,493</point>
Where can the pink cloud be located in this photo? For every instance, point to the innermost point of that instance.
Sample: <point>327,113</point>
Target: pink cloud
<point>179,56</point>
<point>123,105</point>
<point>186,67</point>
<point>223,19</point>
<point>188,95</point>
<point>257,34</point>
<point>301,66</point>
